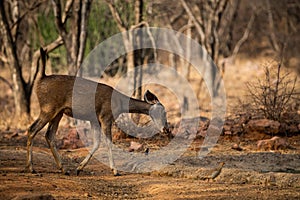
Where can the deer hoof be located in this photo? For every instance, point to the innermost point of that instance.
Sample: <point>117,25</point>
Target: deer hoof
<point>116,173</point>
<point>78,171</point>
<point>27,170</point>
<point>67,173</point>
<point>31,171</point>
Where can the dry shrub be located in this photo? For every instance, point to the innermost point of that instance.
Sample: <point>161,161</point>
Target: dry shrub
<point>274,96</point>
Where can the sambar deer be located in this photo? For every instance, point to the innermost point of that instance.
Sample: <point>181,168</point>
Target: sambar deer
<point>55,93</point>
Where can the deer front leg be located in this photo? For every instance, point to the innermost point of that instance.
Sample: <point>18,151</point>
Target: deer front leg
<point>96,141</point>
<point>108,140</point>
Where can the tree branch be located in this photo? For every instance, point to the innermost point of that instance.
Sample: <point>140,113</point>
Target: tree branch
<point>82,36</point>
<point>143,23</point>
<point>67,10</point>
<point>53,45</point>
<point>245,35</point>
<point>3,58</point>
<point>176,17</point>
<point>32,8</point>
<point>188,26</point>
<point>194,20</point>
<point>58,18</point>
<point>7,83</point>
<point>116,16</point>
<point>274,41</point>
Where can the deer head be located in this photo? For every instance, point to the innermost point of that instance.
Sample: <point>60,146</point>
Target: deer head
<point>157,111</point>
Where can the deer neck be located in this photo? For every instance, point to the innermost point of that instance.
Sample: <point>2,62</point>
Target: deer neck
<point>138,106</point>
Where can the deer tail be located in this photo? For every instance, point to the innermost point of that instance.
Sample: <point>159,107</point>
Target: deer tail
<point>41,68</point>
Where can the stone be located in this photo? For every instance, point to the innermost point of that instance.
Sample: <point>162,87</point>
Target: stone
<point>135,146</point>
<point>72,140</point>
<point>263,126</point>
<point>275,143</point>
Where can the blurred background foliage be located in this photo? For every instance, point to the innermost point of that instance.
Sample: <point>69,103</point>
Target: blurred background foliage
<point>38,26</point>
<point>227,29</point>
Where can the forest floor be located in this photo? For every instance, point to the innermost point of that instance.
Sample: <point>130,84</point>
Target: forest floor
<point>247,174</point>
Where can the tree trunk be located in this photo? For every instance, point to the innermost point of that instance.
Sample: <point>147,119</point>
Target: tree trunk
<point>75,39</point>
<point>208,26</point>
<point>21,90</point>
<point>21,97</point>
<point>139,54</point>
<point>73,46</point>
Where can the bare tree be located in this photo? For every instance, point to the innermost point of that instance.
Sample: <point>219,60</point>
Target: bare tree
<point>19,86</point>
<point>133,40</point>
<point>273,38</point>
<point>208,24</point>
<point>10,19</point>
<point>214,21</point>
<point>139,55</point>
<point>74,37</point>
<point>127,36</point>
<point>282,28</point>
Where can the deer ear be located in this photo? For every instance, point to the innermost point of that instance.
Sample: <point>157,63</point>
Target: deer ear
<point>150,97</point>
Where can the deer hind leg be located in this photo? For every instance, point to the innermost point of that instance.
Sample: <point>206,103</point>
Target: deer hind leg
<point>96,141</point>
<point>32,131</point>
<point>50,136</point>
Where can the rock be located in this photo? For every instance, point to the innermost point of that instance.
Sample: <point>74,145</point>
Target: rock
<point>265,144</point>
<point>236,147</point>
<point>226,128</point>
<point>280,143</point>
<point>237,129</point>
<point>135,146</point>
<point>293,129</point>
<point>263,126</point>
<point>232,127</point>
<point>228,133</point>
<point>72,140</point>
<point>87,195</point>
<point>275,143</point>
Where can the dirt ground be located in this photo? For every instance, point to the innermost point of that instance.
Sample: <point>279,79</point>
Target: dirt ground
<point>247,174</point>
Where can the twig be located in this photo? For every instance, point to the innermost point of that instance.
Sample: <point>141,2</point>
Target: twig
<point>7,82</point>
